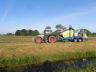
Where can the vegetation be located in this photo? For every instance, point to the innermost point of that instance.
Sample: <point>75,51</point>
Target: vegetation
<point>14,39</point>
<point>25,32</point>
<point>59,28</point>
<point>89,33</point>
<point>9,34</point>
<point>93,34</point>
<point>19,50</point>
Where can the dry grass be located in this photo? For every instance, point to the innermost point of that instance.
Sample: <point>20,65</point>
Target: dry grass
<point>15,39</point>
<point>18,46</point>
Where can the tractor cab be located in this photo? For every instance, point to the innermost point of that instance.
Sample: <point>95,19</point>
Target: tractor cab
<point>48,36</point>
<point>47,31</point>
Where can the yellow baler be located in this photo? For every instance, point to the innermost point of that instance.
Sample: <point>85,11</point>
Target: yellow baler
<point>67,33</point>
<point>72,35</point>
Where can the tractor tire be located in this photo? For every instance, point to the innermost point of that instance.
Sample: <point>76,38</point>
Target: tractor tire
<point>52,39</point>
<point>75,40</point>
<point>80,40</point>
<point>38,40</point>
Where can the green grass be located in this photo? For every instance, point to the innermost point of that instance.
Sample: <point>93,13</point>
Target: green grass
<point>39,59</point>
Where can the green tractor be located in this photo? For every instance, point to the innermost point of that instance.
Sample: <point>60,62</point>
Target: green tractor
<point>48,36</point>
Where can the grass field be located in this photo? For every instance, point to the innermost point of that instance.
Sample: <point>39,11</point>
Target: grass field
<point>22,50</point>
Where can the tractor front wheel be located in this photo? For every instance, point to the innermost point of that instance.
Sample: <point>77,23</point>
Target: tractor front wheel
<point>38,40</point>
<point>52,39</point>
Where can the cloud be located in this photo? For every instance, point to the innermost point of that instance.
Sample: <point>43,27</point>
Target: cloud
<point>4,16</point>
<point>9,5</point>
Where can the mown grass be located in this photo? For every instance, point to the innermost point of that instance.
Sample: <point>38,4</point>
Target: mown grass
<point>15,39</point>
<point>22,51</point>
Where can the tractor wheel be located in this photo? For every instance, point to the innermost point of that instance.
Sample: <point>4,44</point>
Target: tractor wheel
<point>74,40</point>
<point>80,40</point>
<point>52,39</point>
<point>38,40</point>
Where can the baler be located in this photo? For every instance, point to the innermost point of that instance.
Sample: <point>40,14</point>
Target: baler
<point>69,35</point>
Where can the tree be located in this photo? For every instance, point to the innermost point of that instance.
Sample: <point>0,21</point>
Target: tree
<point>70,27</point>
<point>9,34</point>
<point>17,33</point>
<point>48,27</point>
<point>30,32</point>
<point>36,32</point>
<point>86,31</point>
<point>60,28</point>
<point>25,32</point>
<point>94,34</point>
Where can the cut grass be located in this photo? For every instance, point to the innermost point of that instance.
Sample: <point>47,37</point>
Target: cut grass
<point>22,51</point>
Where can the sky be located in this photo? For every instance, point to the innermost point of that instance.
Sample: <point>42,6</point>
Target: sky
<point>37,14</point>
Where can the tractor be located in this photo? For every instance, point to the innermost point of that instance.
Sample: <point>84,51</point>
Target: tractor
<point>69,35</point>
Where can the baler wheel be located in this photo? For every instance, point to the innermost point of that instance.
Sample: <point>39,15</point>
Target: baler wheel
<point>38,40</point>
<point>74,40</point>
<point>52,39</point>
<point>80,40</point>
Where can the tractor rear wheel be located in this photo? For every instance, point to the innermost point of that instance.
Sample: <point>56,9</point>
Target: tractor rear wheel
<point>52,39</point>
<point>38,40</point>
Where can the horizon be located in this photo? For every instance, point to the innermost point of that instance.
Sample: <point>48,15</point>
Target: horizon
<point>37,14</point>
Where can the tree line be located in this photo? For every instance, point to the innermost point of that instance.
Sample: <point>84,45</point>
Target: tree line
<point>25,32</point>
<point>59,28</point>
